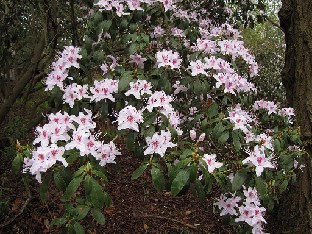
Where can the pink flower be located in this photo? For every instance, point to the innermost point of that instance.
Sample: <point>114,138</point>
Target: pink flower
<point>159,143</point>
<point>158,32</point>
<point>134,5</point>
<point>168,4</point>
<point>271,107</point>
<point>193,135</point>
<point>227,205</point>
<point>258,159</point>
<point>159,99</point>
<point>104,89</point>
<point>139,88</point>
<point>177,32</point>
<point>201,137</point>
<point>42,159</point>
<point>212,164</point>
<point>129,118</point>
<point>107,153</point>
<point>104,67</point>
<point>197,67</point>
<point>179,88</point>
<point>168,58</point>
<point>240,118</point>
<point>138,60</point>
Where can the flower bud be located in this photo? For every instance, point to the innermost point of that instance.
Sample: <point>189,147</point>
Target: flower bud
<point>201,137</point>
<point>192,134</point>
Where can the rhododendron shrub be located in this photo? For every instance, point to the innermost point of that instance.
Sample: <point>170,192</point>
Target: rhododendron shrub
<point>178,90</point>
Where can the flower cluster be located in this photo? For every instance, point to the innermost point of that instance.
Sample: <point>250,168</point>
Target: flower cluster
<point>119,5</point>
<point>240,118</point>
<point>104,89</point>
<point>249,211</point>
<point>159,143</point>
<point>139,88</point>
<point>257,158</point>
<point>67,59</point>
<point>65,132</point>
<point>168,58</point>
<point>129,118</point>
<point>270,106</point>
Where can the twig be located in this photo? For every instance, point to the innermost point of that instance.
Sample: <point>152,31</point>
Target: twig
<point>166,218</point>
<point>22,209</point>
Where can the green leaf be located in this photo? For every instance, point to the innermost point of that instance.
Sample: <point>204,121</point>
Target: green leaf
<point>82,211</point>
<point>100,174</point>
<point>186,152</point>
<point>145,37</point>
<point>236,141</point>
<point>261,186</point>
<point>213,110</point>
<point>59,180</point>
<point>183,163</point>
<point>133,27</point>
<point>87,185</point>
<point>73,156</point>
<point>17,163</point>
<point>98,216</point>
<point>171,172</point>
<point>105,25</point>
<point>197,87</point>
<point>104,109</point>
<point>133,48</point>
<point>277,145</point>
<point>198,189</point>
<point>179,182</point>
<point>239,180</point>
<point>149,119</point>
<point>138,172</point>
<point>158,179</point>
<point>96,196</point>
<point>72,188</point>
<point>124,82</point>
<point>224,137</point>
<point>130,140</point>
<point>217,130</point>
<point>58,221</point>
<point>149,131</point>
<point>172,130</point>
<point>44,186</point>
<point>107,199</point>
<point>283,186</point>
<point>78,228</point>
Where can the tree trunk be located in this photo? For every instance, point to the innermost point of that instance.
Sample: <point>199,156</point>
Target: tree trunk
<point>25,78</point>
<point>295,211</point>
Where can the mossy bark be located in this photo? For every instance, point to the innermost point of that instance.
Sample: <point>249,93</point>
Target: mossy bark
<point>295,211</point>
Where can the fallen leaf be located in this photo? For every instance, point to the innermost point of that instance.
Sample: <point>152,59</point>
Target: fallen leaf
<point>188,212</point>
<point>16,204</point>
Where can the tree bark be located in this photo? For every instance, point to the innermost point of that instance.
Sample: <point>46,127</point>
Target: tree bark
<point>296,21</point>
<point>25,78</point>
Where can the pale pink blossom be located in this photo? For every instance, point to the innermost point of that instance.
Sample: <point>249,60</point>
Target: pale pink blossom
<point>168,58</point>
<point>138,60</point>
<point>159,143</point>
<point>212,164</point>
<point>129,118</point>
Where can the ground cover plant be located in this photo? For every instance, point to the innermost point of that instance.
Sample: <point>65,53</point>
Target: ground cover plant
<point>178,90</point>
